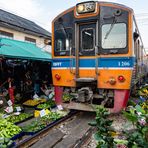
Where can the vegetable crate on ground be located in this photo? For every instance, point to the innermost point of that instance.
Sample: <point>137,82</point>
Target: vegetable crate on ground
<point>43,122</point>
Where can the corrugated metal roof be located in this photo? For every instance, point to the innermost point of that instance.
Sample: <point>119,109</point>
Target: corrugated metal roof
<point>14,21</point>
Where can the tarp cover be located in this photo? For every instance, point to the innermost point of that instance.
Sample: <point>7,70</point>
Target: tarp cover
<point>18,49</point>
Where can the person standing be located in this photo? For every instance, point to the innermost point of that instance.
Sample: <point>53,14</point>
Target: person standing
<point>36,81</point>
<point>11,90</point>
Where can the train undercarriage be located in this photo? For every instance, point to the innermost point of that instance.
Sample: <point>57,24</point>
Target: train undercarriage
<point>87,97</point>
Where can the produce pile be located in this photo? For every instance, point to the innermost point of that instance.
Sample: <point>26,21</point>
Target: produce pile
<point>34,102</point>
<point>8,129</point>
<point>34,126</point>
<point>48,104</point>
<point>5,142</point>
<point>66,97</point>
<point>42,122</point>
<point>143,91</point>
<point>17,118</point>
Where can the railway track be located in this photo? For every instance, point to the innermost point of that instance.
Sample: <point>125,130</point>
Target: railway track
<point>71,131</point>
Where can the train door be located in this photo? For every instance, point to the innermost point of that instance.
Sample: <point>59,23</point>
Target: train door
<point>85,44</point>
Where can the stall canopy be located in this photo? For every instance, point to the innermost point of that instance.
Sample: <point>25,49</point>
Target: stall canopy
<point>18,49</point>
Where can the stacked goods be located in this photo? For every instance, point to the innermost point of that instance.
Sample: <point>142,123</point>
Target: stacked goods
<point>18,118</point>
<point>8,129</point>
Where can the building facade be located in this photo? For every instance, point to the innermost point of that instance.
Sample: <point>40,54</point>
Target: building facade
<point>18,28</point>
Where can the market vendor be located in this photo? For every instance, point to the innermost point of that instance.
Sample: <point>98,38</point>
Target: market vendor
<point>11,90</point>
<point>45,91</point>
<point>28,85</point>
<point>36,80</point>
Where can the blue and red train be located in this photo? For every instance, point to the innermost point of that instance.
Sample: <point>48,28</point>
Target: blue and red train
<point>98,56</point>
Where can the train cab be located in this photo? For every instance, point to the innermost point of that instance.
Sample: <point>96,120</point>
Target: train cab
<point>94,55</point>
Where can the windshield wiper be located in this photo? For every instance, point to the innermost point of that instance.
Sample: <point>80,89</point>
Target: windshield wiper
<point>110,29</point>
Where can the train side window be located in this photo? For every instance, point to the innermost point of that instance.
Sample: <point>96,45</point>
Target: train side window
<point>114,36</point>
<point>138,49</point>
<point>136,35</point>
<point>141,52</point>
<point>63,40</point>
<point>87,40</point>
<point>135,39</point>
<point>59,45</point>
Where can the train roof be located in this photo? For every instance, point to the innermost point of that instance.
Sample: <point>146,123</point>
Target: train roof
<point>117,4</point>
<point>100,3</point>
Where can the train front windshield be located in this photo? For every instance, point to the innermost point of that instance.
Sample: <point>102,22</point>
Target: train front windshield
<point>107,29</point>
<point>114,36</point>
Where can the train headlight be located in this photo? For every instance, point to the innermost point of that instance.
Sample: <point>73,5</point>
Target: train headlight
<point>86,7</point>
<point>80,8</point>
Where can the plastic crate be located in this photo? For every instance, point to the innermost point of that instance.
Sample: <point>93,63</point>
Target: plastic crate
<point>17,136</point>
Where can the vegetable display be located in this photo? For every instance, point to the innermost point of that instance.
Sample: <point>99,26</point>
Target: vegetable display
<point>8,129</point>
<point>143,91</point>
<point>5,142</point>
<point>46,105</point>
<point>52,116</point>
<point>34,126</point>
<point>18,118</point>
<point>42,122</point>
<point>34,102</point>
<point>66,97</point>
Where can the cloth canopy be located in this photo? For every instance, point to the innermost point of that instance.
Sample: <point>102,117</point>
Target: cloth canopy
<point>18,49</point>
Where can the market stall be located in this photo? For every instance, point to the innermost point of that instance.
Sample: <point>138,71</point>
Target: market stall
<point>23,66</point>
<point>26,90</point>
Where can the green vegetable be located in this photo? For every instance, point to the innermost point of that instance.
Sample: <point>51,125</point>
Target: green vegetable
<point>42,122</point>
<point>120,141</point>
<point>5,142</point>
<point>66,97</point>
<point>8,129</point>
<point>18,118</point>
<point>46,105</point>
<point>34,126</point>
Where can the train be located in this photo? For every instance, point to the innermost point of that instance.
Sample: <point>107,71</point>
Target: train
<point>98,56</point>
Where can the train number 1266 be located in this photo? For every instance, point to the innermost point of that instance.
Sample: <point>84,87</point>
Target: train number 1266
<point>123,63</point>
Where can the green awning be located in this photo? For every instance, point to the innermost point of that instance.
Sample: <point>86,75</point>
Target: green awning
<point>19,49</point>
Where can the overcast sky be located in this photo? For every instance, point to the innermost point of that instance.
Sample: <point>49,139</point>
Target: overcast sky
<point>43,12</point>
